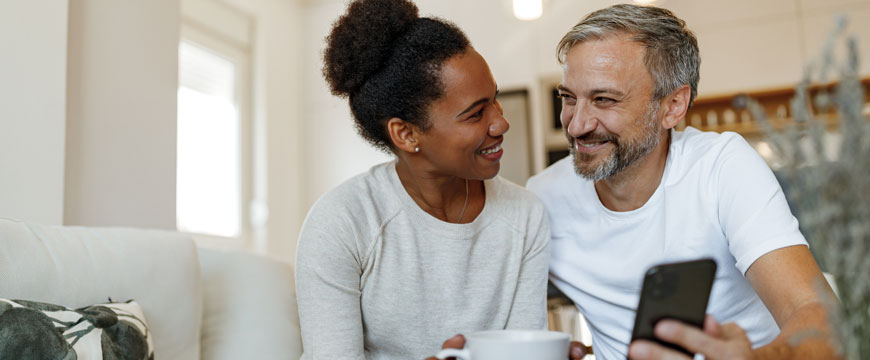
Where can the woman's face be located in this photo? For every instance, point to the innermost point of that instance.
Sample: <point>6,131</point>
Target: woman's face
<point>467,125</point>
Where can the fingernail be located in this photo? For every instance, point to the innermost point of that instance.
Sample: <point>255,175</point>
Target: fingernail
<point>666,328</point>
<point>638,350</point>
<point>576,352</point>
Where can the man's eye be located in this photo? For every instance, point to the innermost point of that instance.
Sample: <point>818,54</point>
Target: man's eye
<point>479,113</point>
<point>567,99</point>
<point>603,100</point>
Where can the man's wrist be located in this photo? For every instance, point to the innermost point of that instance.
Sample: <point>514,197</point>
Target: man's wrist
<point>775,350</point>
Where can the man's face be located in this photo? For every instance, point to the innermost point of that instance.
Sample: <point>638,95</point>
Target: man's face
<point>607,112</point>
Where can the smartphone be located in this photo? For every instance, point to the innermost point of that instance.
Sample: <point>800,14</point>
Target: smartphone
<point>677,291</point>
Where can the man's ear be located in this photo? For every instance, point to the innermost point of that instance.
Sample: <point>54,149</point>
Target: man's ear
<point>676,105</point>
<point>403,134</point>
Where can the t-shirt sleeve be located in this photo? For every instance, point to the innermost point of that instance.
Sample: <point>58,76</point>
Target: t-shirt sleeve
<point>529,310</point>
<point>753,211</point>
<point>328,289</point>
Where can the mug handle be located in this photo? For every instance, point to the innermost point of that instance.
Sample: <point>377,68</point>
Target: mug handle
<point>461,354</point>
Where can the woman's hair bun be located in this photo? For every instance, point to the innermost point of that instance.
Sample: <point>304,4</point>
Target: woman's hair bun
<point>362,40</point>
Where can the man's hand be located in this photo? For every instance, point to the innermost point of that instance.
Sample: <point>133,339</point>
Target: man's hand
<point>716,341</point>
<point>456,342</point>
<point>579,350</point>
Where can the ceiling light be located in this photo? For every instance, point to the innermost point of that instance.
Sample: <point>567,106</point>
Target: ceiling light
<point>528,9</point>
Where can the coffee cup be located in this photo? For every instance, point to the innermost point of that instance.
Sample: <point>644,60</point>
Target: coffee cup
<point>512,345</point>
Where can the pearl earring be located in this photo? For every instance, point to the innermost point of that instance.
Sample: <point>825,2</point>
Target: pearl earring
<point>416,149</point>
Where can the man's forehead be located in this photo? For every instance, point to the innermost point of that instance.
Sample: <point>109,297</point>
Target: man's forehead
<point>607,55</point>
<point>611,62</point>
<point>622,47</point>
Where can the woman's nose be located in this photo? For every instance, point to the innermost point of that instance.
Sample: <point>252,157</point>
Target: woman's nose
<point>499,125</point>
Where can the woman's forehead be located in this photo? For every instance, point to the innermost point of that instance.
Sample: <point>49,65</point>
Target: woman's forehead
<point>466,79</point>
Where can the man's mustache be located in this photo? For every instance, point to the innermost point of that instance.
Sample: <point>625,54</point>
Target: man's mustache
<point>594,137</point>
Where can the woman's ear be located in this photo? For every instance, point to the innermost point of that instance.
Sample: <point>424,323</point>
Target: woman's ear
<point>676,106</point>
<point>403,134</point>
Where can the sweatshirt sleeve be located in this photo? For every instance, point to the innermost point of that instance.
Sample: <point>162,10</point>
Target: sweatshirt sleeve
<point>529,310</point>
<point>328,291</point>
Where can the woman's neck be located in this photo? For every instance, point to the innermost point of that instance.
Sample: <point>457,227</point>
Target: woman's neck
<point>448,198</point>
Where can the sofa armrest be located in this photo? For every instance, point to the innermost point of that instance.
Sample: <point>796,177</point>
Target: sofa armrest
<point>249,307</point>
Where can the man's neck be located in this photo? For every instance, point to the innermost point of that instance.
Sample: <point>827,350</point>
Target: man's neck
<point>635,185</point>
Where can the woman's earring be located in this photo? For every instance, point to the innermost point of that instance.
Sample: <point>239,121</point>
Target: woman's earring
<point>416,149</point>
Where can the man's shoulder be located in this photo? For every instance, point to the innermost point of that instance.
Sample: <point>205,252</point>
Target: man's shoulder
<point>695,140</point>
<point>692,147</point>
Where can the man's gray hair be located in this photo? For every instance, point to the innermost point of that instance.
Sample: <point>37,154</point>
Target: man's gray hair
<point>671,56</point>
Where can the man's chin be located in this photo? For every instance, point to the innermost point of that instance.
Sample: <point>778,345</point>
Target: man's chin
<point>590,171</point>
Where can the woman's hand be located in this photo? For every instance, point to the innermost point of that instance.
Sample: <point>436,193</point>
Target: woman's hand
<point>578,350</point>
<point>456,342</point>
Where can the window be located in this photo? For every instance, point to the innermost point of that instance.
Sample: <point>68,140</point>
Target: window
<point>213,177</point>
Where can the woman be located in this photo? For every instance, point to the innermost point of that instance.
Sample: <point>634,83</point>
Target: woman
<point>432,244</point>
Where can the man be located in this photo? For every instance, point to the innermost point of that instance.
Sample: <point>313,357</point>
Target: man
<point>636,193</point>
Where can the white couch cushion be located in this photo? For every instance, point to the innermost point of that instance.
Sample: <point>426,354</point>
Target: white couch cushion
<point>249,307</point>
<point>79,266</point>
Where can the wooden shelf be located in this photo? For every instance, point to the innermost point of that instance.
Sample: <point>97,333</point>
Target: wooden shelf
<point>753,128</point>
<point>717,113</point>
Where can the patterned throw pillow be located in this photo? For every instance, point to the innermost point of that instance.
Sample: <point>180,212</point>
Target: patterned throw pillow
<point>34,330</point>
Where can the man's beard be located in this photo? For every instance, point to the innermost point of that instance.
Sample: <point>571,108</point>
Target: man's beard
<point>624,153</point>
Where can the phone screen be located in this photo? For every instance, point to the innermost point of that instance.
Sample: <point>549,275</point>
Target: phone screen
<point>678,291</point>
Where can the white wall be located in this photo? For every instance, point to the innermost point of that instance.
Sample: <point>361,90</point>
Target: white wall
<point>33,38</point>
<point>278,122</point>
<point>121,114</point>
<point>278,109</point>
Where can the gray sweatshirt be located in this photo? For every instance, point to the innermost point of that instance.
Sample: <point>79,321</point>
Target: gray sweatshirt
<point>379,278</point>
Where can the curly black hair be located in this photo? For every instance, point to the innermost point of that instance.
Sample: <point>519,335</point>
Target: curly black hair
<point>386,60</point>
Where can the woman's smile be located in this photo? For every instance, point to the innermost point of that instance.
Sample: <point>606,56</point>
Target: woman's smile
<point>492,153</point>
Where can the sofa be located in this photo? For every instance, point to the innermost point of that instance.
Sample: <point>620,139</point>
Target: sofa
<point>199,302</point>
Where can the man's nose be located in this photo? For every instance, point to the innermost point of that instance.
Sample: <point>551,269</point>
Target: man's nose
<point>580,121</point>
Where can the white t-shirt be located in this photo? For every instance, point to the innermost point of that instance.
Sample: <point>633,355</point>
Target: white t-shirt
<point>717,199</point>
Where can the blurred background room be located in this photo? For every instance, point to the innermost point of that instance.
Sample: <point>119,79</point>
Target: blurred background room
<point>212,116</point>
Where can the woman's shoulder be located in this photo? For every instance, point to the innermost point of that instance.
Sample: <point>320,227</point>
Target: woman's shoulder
<point>506,189</point>
<point>510,197</point>
<point>519,209</point>
<point>357,199</point>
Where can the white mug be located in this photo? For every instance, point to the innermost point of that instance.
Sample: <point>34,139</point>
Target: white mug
<point>512,345</point>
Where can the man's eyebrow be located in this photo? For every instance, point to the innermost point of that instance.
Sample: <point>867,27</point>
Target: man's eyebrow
<point>562,88</point>
<point>607,91</point>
